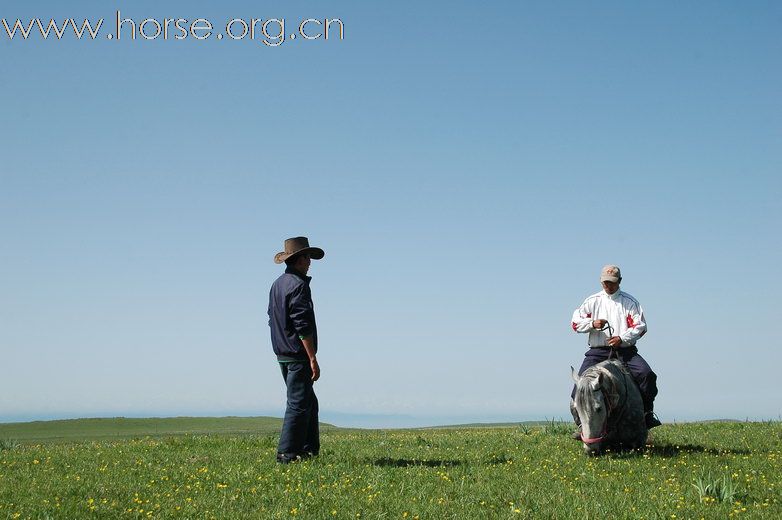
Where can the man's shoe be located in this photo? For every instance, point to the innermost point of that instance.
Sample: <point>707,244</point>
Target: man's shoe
<point>287,458</point>
<point>651,421</point>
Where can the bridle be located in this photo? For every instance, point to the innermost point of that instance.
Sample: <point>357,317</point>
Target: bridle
<point>610,409</point>
<point>604,432</point>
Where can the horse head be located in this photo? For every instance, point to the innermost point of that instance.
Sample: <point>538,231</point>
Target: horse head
<point>593,408</point>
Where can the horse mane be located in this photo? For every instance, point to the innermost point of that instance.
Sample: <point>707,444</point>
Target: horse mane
<point>583,397</point>
<point>593,373</point>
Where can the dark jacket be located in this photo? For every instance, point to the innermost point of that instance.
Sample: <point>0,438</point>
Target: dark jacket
<point>291,315</point>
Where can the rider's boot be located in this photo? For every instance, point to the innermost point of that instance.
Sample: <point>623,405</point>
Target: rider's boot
<point>649,417</point>
<point>651,420</point>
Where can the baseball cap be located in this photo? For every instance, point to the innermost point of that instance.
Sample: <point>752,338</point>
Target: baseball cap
<point>610,273</point>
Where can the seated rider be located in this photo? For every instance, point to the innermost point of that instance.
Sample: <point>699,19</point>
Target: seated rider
<point>614,321</point>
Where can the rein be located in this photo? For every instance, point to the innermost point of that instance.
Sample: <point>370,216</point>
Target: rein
<point>604,432</point>
<point>613,352</point>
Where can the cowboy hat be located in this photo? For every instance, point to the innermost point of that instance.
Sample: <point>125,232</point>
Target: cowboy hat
<point>296,245</point>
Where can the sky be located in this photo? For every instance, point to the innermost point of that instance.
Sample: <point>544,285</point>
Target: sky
<point>467,167</point>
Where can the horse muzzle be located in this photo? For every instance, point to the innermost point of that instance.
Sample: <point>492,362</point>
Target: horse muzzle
<point>593,449</point>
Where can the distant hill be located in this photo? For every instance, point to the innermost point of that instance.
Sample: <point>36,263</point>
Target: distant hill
<point>495,425</point>
<point>85,430</point>
<point>123,428</point>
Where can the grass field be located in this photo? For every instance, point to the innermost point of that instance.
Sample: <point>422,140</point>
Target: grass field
<point>714,470</point>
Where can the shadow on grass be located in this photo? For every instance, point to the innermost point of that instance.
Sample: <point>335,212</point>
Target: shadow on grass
<point>404,463</point>
<point>434,463</point>
<point>674,450</point>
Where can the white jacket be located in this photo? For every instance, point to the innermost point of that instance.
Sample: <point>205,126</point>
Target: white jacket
<point>622,311</point>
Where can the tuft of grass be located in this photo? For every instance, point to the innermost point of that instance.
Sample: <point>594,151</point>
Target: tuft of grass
<point>721,489</point>
<point>8,444</point>
<point>525,430</point>
<point>553,427</point>
<point>422,441</point>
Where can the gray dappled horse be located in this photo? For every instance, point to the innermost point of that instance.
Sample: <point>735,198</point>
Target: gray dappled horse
<point>609,407</point>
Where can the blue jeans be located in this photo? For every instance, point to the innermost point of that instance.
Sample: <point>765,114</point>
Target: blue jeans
<point>300,434</point>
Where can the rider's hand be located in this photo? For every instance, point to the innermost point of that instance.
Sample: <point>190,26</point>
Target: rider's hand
<point>315,369</point>
<point>614,341</point>
<point>599,324</point>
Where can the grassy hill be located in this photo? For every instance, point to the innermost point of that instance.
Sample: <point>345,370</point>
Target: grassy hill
<point>123,428</point>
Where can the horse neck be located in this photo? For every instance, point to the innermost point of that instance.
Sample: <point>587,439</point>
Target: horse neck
<point>618,383</point>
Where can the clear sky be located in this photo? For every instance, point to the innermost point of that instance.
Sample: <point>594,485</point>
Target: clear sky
<point>468,168</point>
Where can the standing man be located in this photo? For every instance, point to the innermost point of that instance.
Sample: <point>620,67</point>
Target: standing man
<point>295,342</point>
<point>614,321</point>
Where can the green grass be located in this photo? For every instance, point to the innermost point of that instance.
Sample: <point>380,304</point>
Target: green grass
<point>500,472</point>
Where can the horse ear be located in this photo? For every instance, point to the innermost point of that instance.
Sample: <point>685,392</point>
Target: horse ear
<point>595,383</point>
<point>573,374</point>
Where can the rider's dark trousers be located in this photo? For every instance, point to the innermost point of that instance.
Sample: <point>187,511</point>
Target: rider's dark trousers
<point>639,368</point>
<point>300,433</point>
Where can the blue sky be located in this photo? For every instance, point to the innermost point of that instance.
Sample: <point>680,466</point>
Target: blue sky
<point>467,168</point>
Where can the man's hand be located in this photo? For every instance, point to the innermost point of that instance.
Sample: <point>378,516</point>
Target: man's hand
<point>615,341</point>
<point>309,347</point>
<point>315,369</point>
<point>599,324</point>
